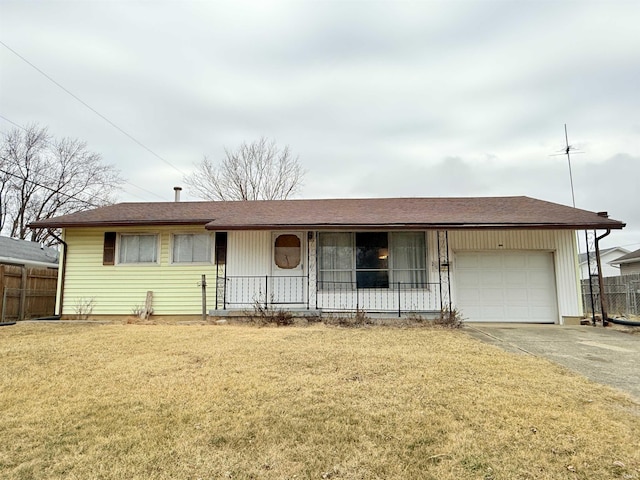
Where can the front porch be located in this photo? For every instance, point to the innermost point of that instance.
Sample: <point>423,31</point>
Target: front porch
<point>302,293</point>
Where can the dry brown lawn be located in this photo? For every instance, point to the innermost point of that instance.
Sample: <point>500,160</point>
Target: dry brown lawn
<point>237,402</point>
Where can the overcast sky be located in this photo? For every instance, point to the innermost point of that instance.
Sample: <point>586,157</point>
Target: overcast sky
<point>377,98</point>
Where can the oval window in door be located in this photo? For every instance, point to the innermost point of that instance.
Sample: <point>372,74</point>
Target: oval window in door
<point>287,251</point>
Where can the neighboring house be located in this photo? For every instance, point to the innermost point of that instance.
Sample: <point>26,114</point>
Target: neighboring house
<point>629,263</point>
<point>508,259</point>
<point>14,251</point>
<point>607,255</point>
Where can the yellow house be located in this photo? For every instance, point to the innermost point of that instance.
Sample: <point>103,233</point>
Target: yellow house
<point>495,258</point>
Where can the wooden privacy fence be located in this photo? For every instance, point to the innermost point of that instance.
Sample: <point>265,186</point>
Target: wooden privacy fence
<point>27,292</point>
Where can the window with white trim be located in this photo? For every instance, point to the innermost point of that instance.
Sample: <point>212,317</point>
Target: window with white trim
<point>138,248</point>
<point>371,260</point>
<point>191,248</point>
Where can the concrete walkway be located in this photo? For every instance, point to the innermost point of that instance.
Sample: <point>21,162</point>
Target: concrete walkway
<point>601,354</point>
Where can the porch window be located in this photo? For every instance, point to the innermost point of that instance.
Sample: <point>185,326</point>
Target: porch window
<point>409,259</point>
<point>138,248</point>
<point>371,260</point>
<point>192,248</point>
<point>335,260</point>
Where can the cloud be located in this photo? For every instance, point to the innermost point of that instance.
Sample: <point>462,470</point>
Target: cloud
<point>377,98</point>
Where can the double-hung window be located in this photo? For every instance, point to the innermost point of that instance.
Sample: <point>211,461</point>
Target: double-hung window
<point>371,260</point>
<point>138,248</point>
<point>192,248</point>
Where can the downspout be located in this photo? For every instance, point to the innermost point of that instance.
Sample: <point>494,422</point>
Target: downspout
<point>64,270</point>
<point>600,282</point>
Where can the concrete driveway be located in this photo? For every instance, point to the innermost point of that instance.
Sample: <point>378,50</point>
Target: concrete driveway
<point>601,354</point>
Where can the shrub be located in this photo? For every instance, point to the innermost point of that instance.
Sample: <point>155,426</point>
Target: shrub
<point>84,307</point>
<point>449,318</point>
<point>263,315</point>
<point>352,320</point>
<point>416,319</point>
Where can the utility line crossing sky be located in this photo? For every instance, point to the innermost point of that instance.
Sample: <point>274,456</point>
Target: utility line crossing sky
<point>377,98</point>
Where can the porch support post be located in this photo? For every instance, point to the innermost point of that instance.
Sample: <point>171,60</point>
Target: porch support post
<point>444,274</point>
<point>224,292</point>
<point>266,291</point>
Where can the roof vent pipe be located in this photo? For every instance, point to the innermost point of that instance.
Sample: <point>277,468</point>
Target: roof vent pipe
<point>177,190</point>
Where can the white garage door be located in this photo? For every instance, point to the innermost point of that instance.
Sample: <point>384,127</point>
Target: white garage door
<point>506,286</point>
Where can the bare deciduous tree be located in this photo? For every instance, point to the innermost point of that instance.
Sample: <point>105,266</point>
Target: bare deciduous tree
<point>42,177</point>
<point>254,171</point>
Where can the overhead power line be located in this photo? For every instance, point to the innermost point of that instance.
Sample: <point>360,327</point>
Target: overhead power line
<point>91,108</point>
<point>51,144</point>
<point>58,192</point>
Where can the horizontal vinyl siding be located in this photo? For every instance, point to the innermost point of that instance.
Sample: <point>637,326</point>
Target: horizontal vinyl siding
<point>629,268</point>
<point>119,289</point>
<point>562,243</point>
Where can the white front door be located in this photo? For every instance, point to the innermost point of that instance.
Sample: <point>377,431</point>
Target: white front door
<point>288,284</point>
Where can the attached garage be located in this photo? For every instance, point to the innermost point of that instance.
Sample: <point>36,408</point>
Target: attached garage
<point>506,286</point>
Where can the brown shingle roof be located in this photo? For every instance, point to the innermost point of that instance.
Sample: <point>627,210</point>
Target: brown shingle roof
<point>390,213</point>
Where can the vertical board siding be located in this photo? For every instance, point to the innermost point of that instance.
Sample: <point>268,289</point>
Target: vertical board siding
<point>249,253</point>
<point>561,242</point>
<point>120,289</point>
<point>433,274</point>
<point>312,268</point>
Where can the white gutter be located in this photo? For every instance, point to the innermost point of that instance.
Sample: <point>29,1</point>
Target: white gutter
<point>27,263</point>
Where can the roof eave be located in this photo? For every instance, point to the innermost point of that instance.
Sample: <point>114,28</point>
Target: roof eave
<point>412,226</point>
<point>624,262</point>
<point>119,223</point>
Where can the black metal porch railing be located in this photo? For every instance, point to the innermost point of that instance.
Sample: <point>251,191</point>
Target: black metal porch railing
<point>293,291</point>
<point>399,297</point>
<point>248,290</point>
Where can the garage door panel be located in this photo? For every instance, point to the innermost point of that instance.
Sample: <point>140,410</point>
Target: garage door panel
<point>543,262</point>
<point>491,277</point>
<point>490,261</point>
<point>493,311</point>
<point>468,262</point>
<point>514,286</point>
<point>538,295</point>
<point>469,278</point>
<point>469,296</point>
<point>493,296</point>
<point>512,261</point>
<point>517,296</point>
<point>541,312</point>
<point>520,313</point>
<point>538,278</point>
<point>515,277</point>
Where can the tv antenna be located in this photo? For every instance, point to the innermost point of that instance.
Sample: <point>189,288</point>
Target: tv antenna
<point>568,149</point>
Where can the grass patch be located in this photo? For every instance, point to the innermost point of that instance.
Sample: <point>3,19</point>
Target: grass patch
<point>189,402</point>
